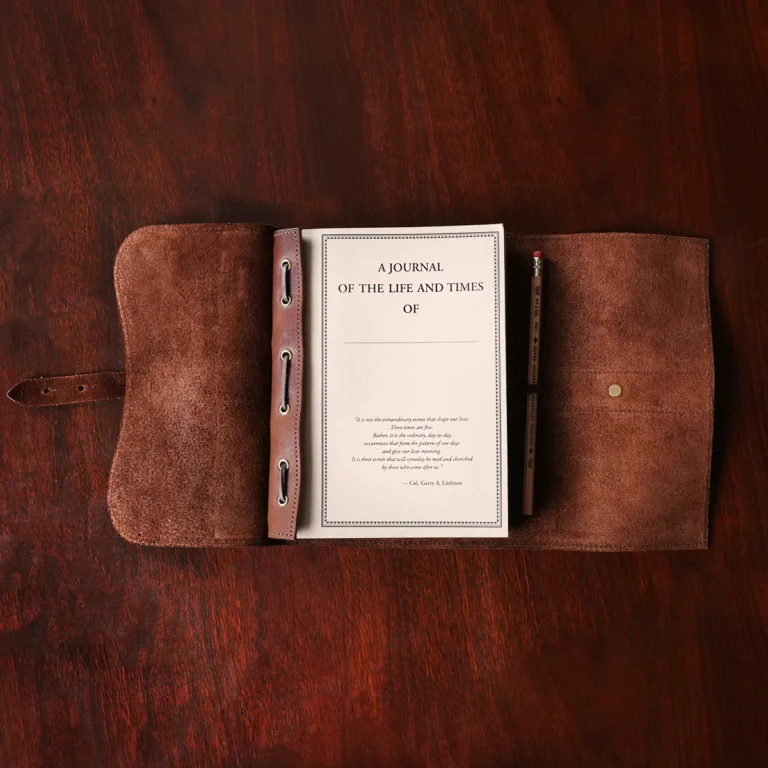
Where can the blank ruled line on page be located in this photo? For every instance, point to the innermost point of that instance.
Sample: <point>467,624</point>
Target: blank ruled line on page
<point>469,341</point>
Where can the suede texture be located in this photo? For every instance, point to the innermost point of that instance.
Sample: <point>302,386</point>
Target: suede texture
<point>191,464</point>
<point>613,473</point>
<point>626,472</point>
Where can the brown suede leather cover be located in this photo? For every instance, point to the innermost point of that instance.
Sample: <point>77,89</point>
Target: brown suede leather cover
<point>191,464</point>
<point>625,473</point>
<point>630,472</point>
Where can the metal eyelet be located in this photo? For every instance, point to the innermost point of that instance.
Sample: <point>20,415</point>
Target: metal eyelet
<point>286,357</point>
<point>282,497</point>
<point>285,267</point>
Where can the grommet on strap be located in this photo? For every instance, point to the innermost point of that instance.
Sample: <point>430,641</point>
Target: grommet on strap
<point>286,357</point>
<point>282,497</point>
<point>285,269</point>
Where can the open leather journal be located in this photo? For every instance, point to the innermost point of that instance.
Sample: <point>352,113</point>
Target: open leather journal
<point>368,387</point>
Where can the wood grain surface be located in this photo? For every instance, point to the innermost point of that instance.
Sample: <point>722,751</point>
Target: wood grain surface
<point>551,116</point>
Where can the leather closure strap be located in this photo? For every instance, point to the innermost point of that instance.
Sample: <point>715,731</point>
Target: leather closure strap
<point>63,390</point>
<point>287,366</point>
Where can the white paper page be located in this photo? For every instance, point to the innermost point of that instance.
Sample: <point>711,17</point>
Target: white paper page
<point>404,427</point>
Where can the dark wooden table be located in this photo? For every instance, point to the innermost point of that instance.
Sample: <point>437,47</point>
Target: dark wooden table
<point>553,116</point>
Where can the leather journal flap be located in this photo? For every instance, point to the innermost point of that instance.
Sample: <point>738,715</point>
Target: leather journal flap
<point>192,459</point>
<point>287,370</point>
<point>627,392</point>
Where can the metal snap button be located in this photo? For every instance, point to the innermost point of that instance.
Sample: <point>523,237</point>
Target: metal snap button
<point>614,390</point>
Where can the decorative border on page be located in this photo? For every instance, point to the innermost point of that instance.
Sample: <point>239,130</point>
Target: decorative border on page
<point>325,523</point>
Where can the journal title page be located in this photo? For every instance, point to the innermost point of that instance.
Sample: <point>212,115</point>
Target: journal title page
<point>405,389</point>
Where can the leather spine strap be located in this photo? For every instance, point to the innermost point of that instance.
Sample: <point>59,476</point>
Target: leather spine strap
<point>63,390</point>
<point>287,366</point>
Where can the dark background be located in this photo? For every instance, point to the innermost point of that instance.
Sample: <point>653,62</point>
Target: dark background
<point>556,116</point>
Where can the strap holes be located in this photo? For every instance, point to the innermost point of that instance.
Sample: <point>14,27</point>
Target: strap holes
<point>46,391</point>
<point>81,388</point>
